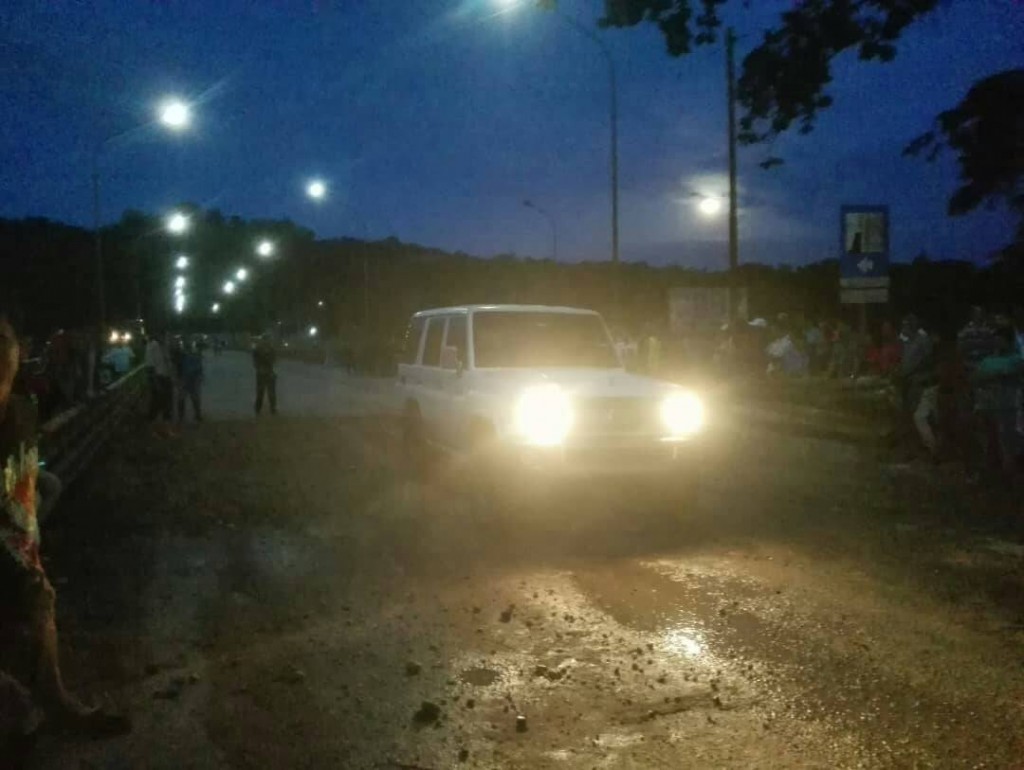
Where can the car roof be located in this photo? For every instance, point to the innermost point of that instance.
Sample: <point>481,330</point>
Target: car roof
<point>506,309</point>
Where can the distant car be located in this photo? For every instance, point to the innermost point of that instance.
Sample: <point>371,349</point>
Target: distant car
<point>540,388</point>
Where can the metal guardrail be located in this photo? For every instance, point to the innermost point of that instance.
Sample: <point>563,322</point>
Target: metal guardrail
<point>69,440</point>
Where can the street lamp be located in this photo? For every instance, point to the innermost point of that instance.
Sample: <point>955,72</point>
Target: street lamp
<point>177,223</point>
<point>265,248</point>
<point>554,227</point>
<point>179,282</point>
<point>181,262</point>
<point>613,117</point>
<point>320,303</point>
<point>175,114</point>
<point>241,274</point>
<point>179,303</point>
<point>215,307</point>
<point>316,189</point>
<point>229,287</point>
<point>710,206</point>
<point>313,331</point>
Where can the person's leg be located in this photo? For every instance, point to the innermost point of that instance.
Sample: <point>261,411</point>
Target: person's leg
<point>197,401</point>
<point>926,409</point>
<point>272,392</point>
<point>48,682</point>
<point>181,405</point>
<point>261,386</point>
<point>48,487</point>
<point>168,387</point>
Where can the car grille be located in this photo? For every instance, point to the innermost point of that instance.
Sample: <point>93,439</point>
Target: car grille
<point>616,417</point>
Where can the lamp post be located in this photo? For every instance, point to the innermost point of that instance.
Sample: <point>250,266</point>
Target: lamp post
<point>734,238</point>
<point>613,121</point>
<point>174,115</point>
<point>316,190</point>
<point>554,227</point>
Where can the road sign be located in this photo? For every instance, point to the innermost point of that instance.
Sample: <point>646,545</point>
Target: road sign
<point>864,254</point>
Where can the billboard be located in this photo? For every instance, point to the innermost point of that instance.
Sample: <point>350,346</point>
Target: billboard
<point>864,254</point>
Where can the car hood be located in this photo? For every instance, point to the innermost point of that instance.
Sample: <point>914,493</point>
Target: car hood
<point>580,383</point>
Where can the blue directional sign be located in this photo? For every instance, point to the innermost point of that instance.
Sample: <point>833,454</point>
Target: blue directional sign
<point>864,254</point>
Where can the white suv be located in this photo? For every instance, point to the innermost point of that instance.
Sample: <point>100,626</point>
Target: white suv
<point>542,385</point>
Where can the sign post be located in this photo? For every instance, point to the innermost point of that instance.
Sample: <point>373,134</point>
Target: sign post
<point>864,257</point>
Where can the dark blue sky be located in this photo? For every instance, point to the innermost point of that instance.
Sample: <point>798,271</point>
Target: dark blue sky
<point>432,120</point>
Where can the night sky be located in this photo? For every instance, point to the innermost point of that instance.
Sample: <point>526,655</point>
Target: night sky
<point>431,120</point>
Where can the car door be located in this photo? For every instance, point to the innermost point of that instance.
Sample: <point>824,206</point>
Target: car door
<point>430,382</point>
<point>452,381</point>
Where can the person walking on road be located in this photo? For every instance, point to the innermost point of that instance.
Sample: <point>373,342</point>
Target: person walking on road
<point>161,388</point>
<point>29,652</point>
<point>190,380</point>
<point>264,359</point>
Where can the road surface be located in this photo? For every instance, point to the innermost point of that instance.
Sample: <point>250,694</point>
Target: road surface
<point>278,593</point>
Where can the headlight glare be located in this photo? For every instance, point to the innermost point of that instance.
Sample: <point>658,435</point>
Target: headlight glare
<point>543,415</point>
<point>682,414</point>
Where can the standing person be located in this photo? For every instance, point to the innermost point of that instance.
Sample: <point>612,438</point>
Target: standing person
<point>158,368</point>
<point>997,380</point>
<point>264,359</point>
<point>190,380</point>
<point>28,628</point>
<point>919,380</point>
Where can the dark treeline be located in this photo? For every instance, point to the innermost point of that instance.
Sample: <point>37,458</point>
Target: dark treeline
<point>51,269</point>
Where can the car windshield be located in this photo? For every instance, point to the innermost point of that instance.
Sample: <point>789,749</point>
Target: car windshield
<point>525,340</point>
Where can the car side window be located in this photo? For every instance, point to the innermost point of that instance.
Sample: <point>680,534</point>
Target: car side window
<point>413,335</point>
<point>432,348</point>
<point>457,336</point>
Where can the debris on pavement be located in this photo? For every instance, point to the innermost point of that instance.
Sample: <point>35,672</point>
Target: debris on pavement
<point>428,713</point>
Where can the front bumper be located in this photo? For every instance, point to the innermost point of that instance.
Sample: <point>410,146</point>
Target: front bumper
<point>605,459</point>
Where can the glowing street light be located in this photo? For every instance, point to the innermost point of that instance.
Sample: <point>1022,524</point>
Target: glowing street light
<point>179,282</point>
<point>316,189</point>
<point>709,206</point>
<point>229,287</point>
<point>179,304</point>
<point>241,274</point>
<point>177,223</point>
<point>181,262</point>
<point>175,114</point>
<point>215,307</point>
<point>265,248</point>
<point>320,303</point>
<point>313,331</point>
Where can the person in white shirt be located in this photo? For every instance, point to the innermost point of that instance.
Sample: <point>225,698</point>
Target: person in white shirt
<point>161,389</point>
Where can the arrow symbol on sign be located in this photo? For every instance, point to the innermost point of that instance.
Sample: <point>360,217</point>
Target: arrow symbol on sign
<point>866,265</point>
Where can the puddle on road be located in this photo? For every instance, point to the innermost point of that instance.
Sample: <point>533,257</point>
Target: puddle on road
<point>805,659</point>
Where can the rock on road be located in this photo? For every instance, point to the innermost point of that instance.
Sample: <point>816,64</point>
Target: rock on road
<point>278,593</point>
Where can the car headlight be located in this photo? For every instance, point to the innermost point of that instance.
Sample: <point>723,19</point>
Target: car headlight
<point>682,414</point>
<point>543,415</point>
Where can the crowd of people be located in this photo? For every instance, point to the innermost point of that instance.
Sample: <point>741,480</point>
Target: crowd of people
<point>961,390</point>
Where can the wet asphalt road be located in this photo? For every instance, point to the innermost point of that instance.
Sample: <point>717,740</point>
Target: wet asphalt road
<point>278,593</point>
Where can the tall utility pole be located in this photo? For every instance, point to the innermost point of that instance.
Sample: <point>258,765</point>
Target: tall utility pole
<point>101,293</point>
<point>734,245</point>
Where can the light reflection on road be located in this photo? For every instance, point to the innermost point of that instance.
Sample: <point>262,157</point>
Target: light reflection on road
<point>686,641</point>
